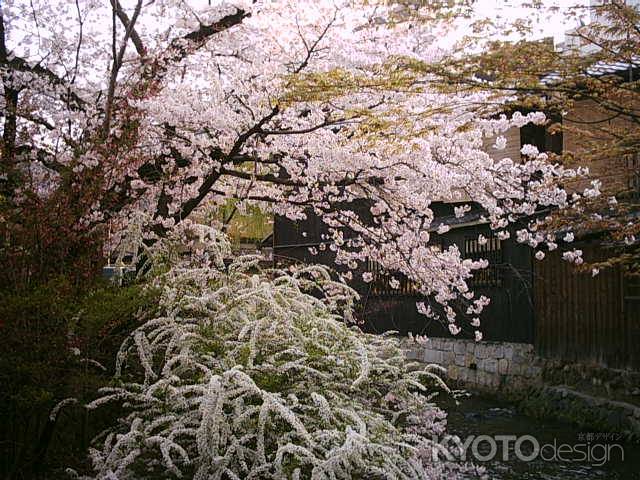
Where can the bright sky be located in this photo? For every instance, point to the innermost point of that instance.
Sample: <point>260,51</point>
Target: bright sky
<point>553,26</point>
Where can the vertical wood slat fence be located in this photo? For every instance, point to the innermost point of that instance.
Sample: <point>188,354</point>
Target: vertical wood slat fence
<point>584,318</point>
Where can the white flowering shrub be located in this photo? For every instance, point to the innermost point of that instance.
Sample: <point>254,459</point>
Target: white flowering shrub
<point>244,374</point>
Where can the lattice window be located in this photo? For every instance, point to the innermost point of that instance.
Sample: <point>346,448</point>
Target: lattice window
<point>380,284</point>
<point>492,252</point>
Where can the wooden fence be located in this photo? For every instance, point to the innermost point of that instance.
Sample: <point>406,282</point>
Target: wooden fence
<point>580,317</point>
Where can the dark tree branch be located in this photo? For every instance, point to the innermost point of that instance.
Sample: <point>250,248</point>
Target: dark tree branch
<point>11,104</point>
<point>267,177</point>
<point>70,98</point>
<point>180,48</point>
<point>79,44</point>
<point>37,120</point>
<point>117,64</point>
<point>9,133</point>
<point>239,143</point>
<point>3,45</point>
<point>124,19</point>
<point>41,155</point>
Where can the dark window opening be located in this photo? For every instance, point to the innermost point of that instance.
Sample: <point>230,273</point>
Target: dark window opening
<point>540,137</point>
<point>381,281</point>
<point>490,251</point>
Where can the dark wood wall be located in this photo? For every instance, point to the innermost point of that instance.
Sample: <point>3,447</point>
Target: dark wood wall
<point>569,316</point>
<point>507,282</point>
<point>581,318</point>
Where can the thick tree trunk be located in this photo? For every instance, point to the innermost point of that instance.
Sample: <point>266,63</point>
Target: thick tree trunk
<point>10,127</point>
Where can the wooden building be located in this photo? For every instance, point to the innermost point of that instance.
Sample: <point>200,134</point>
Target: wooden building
<point>568,316</point>
<point>507,280</point>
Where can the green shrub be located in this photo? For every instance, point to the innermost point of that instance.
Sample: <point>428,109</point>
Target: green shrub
<point>57,342</point>
<point>244,374</point>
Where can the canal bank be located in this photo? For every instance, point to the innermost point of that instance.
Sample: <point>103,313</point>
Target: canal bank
<point>591,397</point>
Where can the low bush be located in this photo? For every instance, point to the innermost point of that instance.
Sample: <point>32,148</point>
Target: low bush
<point>56,343</point>
<point>242,374</point>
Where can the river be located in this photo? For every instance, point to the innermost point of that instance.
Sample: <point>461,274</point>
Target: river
<point>611,457</point>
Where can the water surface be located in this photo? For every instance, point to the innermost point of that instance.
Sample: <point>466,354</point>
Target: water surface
<point>479,416</point>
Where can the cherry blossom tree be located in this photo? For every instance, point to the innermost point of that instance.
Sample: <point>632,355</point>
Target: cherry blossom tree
<point>153,112</point>
<point>127,122</point>
<point>589,86</point>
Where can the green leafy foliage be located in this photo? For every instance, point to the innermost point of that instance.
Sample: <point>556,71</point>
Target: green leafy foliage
<point>56,342</point>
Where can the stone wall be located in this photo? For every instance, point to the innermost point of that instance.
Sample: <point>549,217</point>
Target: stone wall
<point>514,371</point>
<point>481,365</point>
